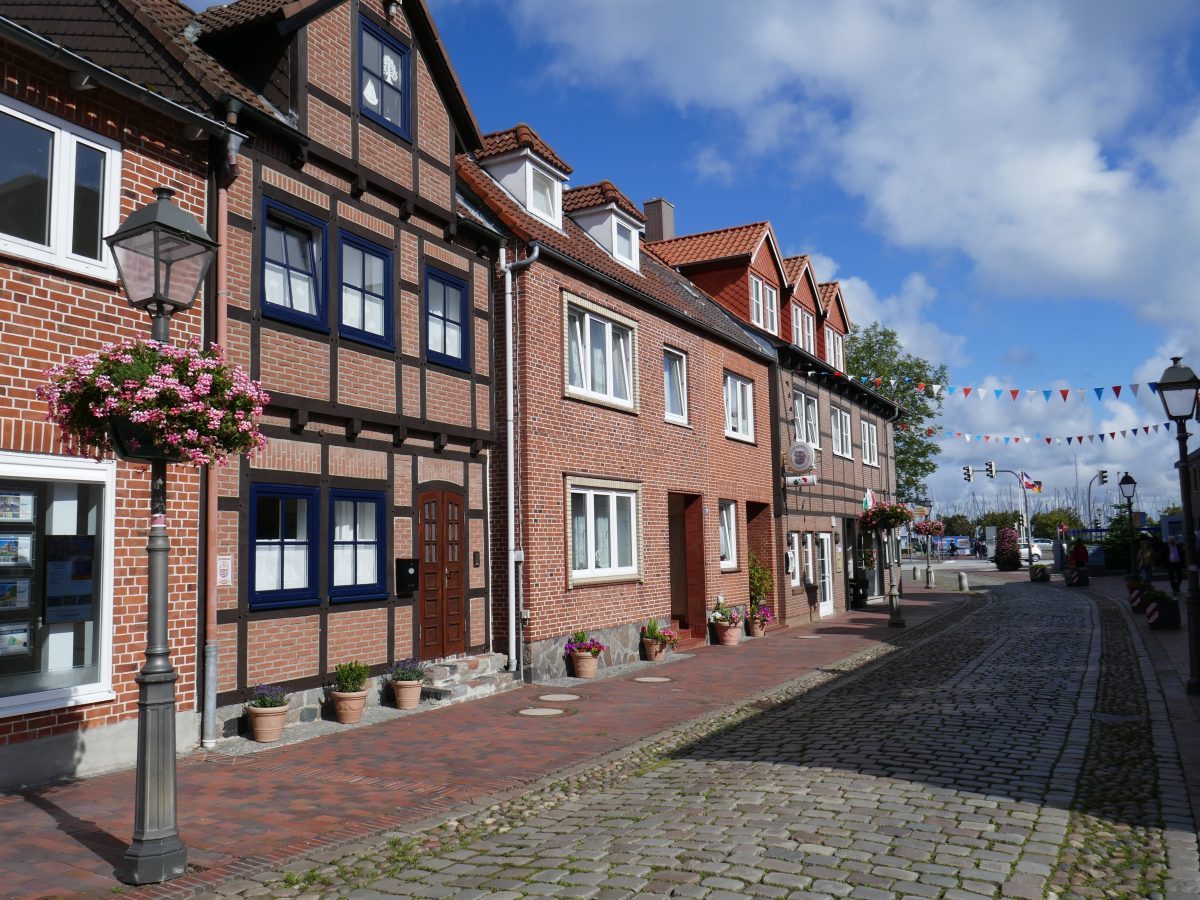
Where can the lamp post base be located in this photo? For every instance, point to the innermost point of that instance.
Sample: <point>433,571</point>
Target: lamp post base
<point>895,619</point>
<point>154,860</point>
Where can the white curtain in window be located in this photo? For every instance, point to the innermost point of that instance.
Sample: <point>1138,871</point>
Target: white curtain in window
<point>579,533</point>
<point>266,567</point>
<point>620,363</point>
<point>673,385</point>
<point>575,349</point>
<point>602,517</point>
<point>835,424</point>
<point>599,355</point>
<point>727,537</point>
<point>295,566</point>
<point>624,531</point>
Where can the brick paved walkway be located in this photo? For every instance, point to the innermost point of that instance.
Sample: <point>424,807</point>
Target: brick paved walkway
<point>241,814</point>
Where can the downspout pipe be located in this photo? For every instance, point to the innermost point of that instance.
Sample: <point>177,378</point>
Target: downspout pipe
<point>226,173</point>
<point>515,556</point>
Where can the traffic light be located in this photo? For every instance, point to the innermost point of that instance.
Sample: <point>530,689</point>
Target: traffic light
<point>1096,522</point>
<point>1104,476</point>
<point>990,468</point>
<point>968,475</point>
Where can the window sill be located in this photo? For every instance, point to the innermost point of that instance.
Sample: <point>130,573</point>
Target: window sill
<point>596,400</point>
<point>739,437</point>
<point>730,570</point>
<point>593,580</point>
<point>873,465</point>
<point>849,456</point>
<point>105,275</point>
<point>681,423</point>
<point>41,701</point>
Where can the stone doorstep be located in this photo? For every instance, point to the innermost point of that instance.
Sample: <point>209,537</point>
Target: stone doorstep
<point>455,670</point>
<point>448,692</point>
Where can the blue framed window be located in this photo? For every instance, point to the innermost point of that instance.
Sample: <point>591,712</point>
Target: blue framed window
<point>383,84</point>
<point>293,266</point>
<point>366,292</point>
<point>356,531</point>
<point>447,320</point>
<point>283,534</point>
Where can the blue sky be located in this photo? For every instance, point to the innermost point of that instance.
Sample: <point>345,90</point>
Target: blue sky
<point>1014,187</point>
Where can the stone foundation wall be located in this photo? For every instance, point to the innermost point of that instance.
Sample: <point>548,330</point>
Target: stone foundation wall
<point>303,706</point>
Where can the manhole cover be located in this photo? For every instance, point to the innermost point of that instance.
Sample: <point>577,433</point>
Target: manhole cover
<point>540,711</point>
<point>558,698</point>
<point>652,679</point>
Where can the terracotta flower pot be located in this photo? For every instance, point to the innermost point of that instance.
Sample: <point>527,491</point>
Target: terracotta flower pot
<point>348,706</point>
<point>407,694</point>
<point>653,649</point>
<point>584,664</point>
<point>755,629</point>
<point>266,722</point>
<point>727,635</point>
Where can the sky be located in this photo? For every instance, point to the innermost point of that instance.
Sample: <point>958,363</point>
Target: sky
<point>1013,187</point>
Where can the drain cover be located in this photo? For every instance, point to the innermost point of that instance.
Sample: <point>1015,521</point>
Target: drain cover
<point>652,679</point>
<point>558,698</point>
<point>540,711</point>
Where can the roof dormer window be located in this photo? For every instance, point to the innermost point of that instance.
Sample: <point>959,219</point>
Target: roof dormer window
<point>623,248</point>
<point>545,193</point>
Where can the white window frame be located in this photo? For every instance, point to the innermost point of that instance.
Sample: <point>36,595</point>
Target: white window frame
<point>611,320</point>
<point>771,307</point>
<point>727,521</point>
<point>555,217</point>
<point>806,412</point>
<point>810,572</point>
<point>67,137</point>
<point>797,577</point>
<point>839,427</point>
<point>803,328</point>
<point>632,259</point>
<point>739,408</point>
<point>683,376</point>
<point>835,349</point>
<point>591,488</point>
<point>39,467</point>
<point>870,443</point>
<point>756,300</point>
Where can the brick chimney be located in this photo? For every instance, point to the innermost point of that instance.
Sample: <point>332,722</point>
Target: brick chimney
<point>660,219</point>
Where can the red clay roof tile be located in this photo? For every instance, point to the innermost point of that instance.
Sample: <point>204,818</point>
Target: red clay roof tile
<point>601,193</point>
<point>520,137</point>
<point>829,291</point>
<point>793,267</point>
<point>708,246</point>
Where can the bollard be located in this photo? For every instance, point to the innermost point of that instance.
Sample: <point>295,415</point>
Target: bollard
<point>915,576</point>
<point>929,579</point>
<point>963,584</point>
<point>895,618</point>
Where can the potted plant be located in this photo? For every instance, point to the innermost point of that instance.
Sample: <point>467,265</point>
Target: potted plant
<point>407,677</point>
<point>758,618</point>
<point>1076,577</point>
<point>584,652</point>
<point>885,516</point>
<point>726,623</point>
<point>268,708</point>
<point>657,640</point>
<point>145,401</point>
<point>1039,572</point>
<point>349,691</point>
<point>1008,553</point>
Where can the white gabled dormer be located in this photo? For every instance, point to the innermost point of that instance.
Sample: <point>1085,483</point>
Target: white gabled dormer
<point>528,169</point>
<point>610,218</point>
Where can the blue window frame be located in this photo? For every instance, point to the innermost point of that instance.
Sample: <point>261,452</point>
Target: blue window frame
<point>356,530</point>
<point>283,544</point>
<point>447,320</point>
<point>293,266</point>
<point>384,76</point>
<point>366,292</point>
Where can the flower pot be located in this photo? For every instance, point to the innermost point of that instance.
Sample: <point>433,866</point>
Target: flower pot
<point>584,664</point>
<point>755,629</point>
<point>266,722</point>
<point>1039,574</point>
<point>727,635</point>
<point>348,705</point>
<point>407,694</point>
<point>1076,577</point>
<point>653,649</point>
<point>134,442</point>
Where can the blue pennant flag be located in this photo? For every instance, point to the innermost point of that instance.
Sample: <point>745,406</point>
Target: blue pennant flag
<point>1099,392</point>
<point>1046,394</point>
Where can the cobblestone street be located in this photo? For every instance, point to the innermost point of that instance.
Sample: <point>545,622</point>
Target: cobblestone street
<point>1011,748</point>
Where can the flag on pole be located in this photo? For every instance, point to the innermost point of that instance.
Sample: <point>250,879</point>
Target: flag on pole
<point>1030,484</point>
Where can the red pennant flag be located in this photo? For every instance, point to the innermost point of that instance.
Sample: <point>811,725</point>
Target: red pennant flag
<point>1048,440</point>
<point>986,438</point>
<point>1066,392</point>
<point>1117,390</point>
<point>1145,429</point>
<point>1112,435</point>
<point>1015,392</point>
<point>967,392</point>
<point>878,382</point>
<point>1016,440</point>
<point>920,385</point>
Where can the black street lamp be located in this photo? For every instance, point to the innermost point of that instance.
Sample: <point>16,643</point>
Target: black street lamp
<point>1128,488</point>
<point>1177,389</point>
<point>162,256</point>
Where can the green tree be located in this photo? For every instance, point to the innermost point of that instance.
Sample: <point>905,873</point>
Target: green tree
<point>875,350</point>
<point>1171,509</point>
<point>1045,524</point>
<point>1001,519</point>
<point>958,524</point>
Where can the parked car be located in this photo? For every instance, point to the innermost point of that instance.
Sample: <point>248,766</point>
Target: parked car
<point>1037,552</point>
<point>1046,545</point>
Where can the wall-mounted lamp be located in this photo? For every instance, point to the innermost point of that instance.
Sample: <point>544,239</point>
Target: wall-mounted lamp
<point>392,9</point>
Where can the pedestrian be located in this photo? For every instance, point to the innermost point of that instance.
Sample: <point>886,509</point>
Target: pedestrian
<point>1174,564</point>
<point>1079,555</point>
<point>1145,561</point>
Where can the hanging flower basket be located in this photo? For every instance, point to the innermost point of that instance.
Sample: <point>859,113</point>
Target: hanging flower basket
<point>929,527</point>
<point>147,401</point>
<point>885,516</point>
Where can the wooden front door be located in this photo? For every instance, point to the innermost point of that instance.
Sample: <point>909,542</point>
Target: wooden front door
<point>443,574</point>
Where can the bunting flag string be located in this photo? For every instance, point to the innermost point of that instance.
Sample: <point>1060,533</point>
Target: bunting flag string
<point>1013,394</point>
<point>1069,440</point>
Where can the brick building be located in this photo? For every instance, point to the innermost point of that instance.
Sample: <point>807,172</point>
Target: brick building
<point>639,490</point>
<point>847,426</point>
<point>87,136</point>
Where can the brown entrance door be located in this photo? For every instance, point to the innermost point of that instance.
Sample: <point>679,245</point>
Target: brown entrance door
<point>443,574</point>
<point>693,533</point>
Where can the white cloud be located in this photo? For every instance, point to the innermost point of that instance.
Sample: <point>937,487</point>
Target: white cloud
<point>710,165</point>
<point>1033,137</point>
<point>906,313</point>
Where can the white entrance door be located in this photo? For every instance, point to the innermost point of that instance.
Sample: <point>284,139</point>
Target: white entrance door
<point>825,574</point>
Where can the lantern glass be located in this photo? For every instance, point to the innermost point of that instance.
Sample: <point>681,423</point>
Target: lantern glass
<point>1177,390</point>
<point>1128,486</point>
